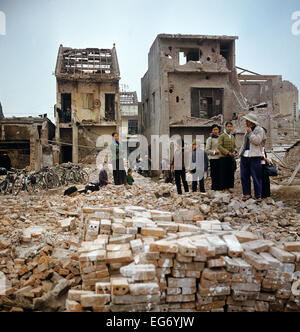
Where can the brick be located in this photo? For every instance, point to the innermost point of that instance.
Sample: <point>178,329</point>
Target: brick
<point>193,274</point>
<point>246,287</point>
<point>189,290</point>
<point>139,272</point>
<point>156,232</point>
<point>257,261</point>
<point>119,257</point>
<point>103,288</point>
<point>258,246</point>
<point>273,262</point>
<point>144,289</point>
<point>164,246</point>
<point>189,266</point>
<point>141,299</point>
<point>181,282</point>
<point>122,239</point>
<point>186,248</point>
<point>174,291</point>
<point>94,300</point>
<point>281,276</point>
<point>216,263</point>
<point>282,255</point>
<point>219,245</point>
<point>214,291</point>
<point>210,306</point>
<point>165,262</point>
<point>234,247</point>
<point>73,306</point>
<point>105,308</point>
<point>180,298</point>
<point>98,255</point>
<point>119,286</point>
<point>292,246</point>
<point>178,273</point>
<point>244,237</point>
<point>216,275</point>
<point>231,265</point>
<point>203,246</point>
<point>118,247</point>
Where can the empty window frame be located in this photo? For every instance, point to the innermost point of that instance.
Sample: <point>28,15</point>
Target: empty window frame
<point>186,55</point>
<point>206,103</point>
<point>132,127</point>
<point>110,107</point>
<point>66,106</point>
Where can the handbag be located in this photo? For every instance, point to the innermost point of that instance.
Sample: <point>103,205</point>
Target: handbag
<point>271,170</point>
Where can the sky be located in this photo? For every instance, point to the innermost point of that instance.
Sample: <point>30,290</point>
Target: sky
<point>35,29</point>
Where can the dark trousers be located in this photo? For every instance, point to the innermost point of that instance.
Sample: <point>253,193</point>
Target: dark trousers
<point>252,167</point>
<point>266,186</point>
<point>119,173</point>
<point>227,173</point>
<point>181,175</point>
<point>201,184</point>
<point>215,174</point>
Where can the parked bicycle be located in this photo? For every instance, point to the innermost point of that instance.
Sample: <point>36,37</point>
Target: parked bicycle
<point>7,186</point>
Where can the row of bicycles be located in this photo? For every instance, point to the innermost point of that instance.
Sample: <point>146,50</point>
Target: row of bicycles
<point>16,181</point>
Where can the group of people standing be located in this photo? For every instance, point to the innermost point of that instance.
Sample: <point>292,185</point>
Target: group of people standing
<point>222,152</point>
<point>221,155</point>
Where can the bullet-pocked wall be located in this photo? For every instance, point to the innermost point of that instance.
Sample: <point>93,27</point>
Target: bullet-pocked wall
<point>190,80</point>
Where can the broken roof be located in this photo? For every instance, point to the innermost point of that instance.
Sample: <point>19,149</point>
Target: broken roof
<point>128,98</point>
<point>24,120</point>
<point>90,63</point>
<point>185,37</point>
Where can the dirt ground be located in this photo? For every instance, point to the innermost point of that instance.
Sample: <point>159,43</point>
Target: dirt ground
<point>289,195</point>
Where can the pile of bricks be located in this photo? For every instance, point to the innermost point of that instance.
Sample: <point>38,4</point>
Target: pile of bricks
<point>138,260</point>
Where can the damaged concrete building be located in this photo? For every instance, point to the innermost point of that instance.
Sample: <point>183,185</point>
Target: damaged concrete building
<point>26,141</point>
<point>88,99</point>
<point>277,100</point>
<point>129,107</point>
<point>191,83</point>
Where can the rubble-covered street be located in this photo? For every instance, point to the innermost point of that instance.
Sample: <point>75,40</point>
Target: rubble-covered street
<point>40,235</point>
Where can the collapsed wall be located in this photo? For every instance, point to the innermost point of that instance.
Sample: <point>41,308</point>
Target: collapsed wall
<point>136,260</point>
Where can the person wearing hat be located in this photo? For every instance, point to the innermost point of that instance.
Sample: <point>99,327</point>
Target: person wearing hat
<point>199,165</point>
<point>214,157</point>
<point>251,154</point>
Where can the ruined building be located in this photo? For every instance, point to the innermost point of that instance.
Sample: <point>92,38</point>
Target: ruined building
<point>191,83</point>
<point>281,99</point>
<point>27,141</point>
<point>129,106</point>
<point>88,99</point>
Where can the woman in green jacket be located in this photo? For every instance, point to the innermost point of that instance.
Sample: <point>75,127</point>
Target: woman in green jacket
<point>228,150</point>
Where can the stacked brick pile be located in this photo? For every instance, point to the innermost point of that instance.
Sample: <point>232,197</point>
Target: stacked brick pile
<point>149,262</point>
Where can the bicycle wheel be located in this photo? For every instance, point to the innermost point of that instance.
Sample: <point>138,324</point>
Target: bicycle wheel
<point>84,177</point>
<point>71,178</point>
<point>52,180</point>
<point>18,185</point>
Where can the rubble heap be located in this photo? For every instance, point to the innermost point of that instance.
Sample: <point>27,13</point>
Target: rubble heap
<point>134,259</point>
<point>40,235</point>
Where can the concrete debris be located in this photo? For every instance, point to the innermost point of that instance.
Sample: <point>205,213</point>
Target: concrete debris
<point>147,253</point>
